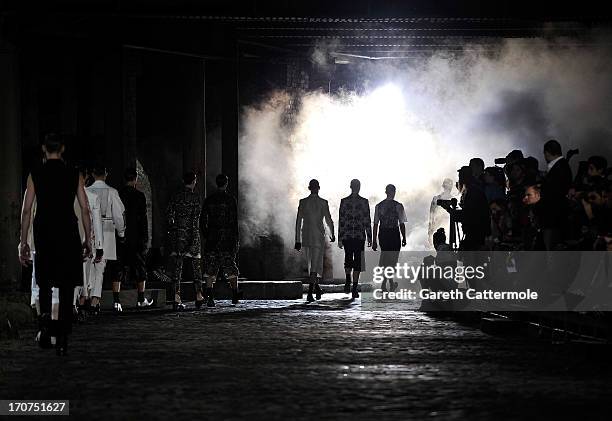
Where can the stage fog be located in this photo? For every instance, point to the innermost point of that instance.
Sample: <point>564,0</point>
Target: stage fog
<point>412,122</point>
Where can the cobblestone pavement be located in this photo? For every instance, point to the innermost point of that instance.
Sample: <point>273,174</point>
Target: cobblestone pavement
<point>325,360</point>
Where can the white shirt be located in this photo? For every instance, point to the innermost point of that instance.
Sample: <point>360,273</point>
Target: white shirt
<point>309,229</point>
<point>111,210</point>
<point>96,219</point>
<point>553,162</point>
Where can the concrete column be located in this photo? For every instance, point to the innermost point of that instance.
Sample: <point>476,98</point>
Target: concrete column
<point>214,124</point>
<point>169,125</point>
<point>10,167</point>
<point>194,148</point>
<point>118,153</point>
<point>230,117</point>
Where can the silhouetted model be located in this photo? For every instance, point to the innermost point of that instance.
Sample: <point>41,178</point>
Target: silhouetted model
<point>354,225</point>
<point>389,220</point>
<point>133,252</point>
<point>219,225</point>
<point>183,218</point>
<point>82,293</point>
<point>59,251</point>
<point>112,209</point>
<point>310,233</point>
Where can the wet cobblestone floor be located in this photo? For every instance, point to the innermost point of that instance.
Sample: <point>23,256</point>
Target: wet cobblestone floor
<point>290,360</point>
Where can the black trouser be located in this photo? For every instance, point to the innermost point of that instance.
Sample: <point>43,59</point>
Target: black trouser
<point>66,295</point>
<point>390,246</point>
<point>196,270</point>
<point>353,254</point>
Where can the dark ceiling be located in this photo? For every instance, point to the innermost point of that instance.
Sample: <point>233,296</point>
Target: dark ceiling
<point>372,29</point>
<point>325,8</point>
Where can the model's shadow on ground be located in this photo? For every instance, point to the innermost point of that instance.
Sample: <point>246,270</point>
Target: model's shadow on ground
<point>328,303</point>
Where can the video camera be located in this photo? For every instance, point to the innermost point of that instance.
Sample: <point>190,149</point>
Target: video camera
<point>513,156</point>
<point>448,204</point>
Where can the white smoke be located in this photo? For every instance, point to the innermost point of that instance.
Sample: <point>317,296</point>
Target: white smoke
<point>418,123</point>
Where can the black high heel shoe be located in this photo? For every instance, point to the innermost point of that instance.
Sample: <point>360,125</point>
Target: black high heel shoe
<point>199,303</point>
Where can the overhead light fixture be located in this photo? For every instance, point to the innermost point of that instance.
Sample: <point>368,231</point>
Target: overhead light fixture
<point>342,61</point>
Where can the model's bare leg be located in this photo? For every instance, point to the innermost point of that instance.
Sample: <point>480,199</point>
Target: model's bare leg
<point>93,289</point>
<point>233,280</point>
<point>178,275</point>
<point>347,285</point>
<point>116,301</point>
<point>196,265</point>
<point>45,294</point>
<point>317,288</point>
<point>142,301</point>
<point>312,283</point>
<point>355,283</point>
<point>210,280</point>
<point>76,293</point>
<point>55,304</point>
<point>55,309</point>
<point>309,297</point>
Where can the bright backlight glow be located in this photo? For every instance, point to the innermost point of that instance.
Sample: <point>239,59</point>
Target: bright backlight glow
<point>374,138</point>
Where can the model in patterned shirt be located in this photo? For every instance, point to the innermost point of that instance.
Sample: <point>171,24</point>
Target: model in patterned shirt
<point>183,218</point>
<point>219,225</point>
<point>354,226</point>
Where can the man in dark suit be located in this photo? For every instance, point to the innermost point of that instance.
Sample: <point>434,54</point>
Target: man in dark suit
<point>554,194</point>
<point>134,249</point>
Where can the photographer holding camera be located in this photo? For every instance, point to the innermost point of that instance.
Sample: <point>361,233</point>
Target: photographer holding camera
<point>474,213</point>
<point>473,216</point>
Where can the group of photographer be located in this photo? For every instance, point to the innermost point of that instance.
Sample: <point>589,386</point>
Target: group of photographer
<point>521,206</point>
<point>551,210</point>
<point>529,215</point>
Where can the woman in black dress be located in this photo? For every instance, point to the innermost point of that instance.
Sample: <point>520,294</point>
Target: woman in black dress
<point>59,252</point>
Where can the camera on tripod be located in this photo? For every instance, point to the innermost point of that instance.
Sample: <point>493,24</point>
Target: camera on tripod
<point>450,206</point>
